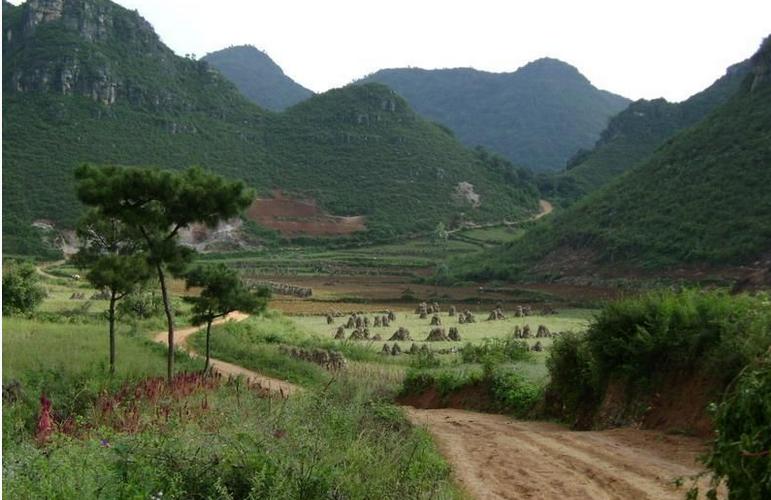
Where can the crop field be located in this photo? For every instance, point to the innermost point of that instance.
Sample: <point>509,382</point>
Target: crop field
<point>566,320</point>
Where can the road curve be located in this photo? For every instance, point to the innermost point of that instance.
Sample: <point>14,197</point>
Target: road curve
<point>223,367</point>
<point>495,457</point>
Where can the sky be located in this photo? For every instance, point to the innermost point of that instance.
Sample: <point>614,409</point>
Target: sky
<point>639,49</point>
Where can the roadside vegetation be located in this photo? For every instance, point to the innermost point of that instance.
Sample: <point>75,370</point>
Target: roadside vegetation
<point>647,343</point>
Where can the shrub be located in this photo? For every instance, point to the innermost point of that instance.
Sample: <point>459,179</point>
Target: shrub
<point>497,349</point>
<point>22,292</point>
<point>572,375</point>
<point>668,331</point>
<point>512,392</point>
<point>741,453</point>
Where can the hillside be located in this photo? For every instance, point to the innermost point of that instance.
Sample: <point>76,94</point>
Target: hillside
<point>258,77</point>
<point>702,198</point>
<point>89,81</point>
<point>633,134</point>
<point>537,116</point>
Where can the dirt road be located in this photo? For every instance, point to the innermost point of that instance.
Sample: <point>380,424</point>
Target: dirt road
<point>546,209</point>
<point>180,340</point>
<point>495,457</point>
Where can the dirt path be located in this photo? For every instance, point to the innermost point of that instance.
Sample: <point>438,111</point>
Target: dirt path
<point>42,269</point>
<point>496,457</point>
<point>222,367</point>
<point>546,209</point>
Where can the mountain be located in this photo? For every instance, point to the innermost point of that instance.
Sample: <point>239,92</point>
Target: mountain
<point>636,132</point>
<point>702,198</point>
<point>258,77</point>
<point>537,116</point>
<point>90,81</point>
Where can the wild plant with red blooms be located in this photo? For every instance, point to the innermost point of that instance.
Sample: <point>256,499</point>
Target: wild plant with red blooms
<point>45,423</point>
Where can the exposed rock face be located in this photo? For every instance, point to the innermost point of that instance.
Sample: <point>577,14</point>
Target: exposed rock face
<point>91,70</point>
<point>465,192</point>
<point>761,66</point>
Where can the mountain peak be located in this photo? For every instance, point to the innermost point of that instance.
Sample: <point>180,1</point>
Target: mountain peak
<point>258,77</point>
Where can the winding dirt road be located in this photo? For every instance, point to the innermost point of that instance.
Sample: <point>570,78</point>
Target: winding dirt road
<point>495,457</point>
<point>223,367</point>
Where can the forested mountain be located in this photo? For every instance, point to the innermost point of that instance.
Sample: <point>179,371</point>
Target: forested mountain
<point>537,116</point>
<point>633,134</point>
<point>90,81</point>
<point>704,197</point>
<point>258,77</point>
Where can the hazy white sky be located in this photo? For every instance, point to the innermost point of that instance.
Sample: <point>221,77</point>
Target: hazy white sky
<point>653,48</point>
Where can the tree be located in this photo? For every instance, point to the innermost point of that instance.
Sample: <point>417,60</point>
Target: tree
<point>157,204</point>
<point>114,259</point>
<point>22,291</point>
<point>222,293</point>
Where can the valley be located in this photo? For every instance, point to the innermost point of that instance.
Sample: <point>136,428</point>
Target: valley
<point>442,283</point>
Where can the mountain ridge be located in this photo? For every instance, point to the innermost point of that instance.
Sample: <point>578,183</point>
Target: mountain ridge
<point>90,84</point>
<point>258,77</point>
<point>537,116</point>
<point>702,198</point>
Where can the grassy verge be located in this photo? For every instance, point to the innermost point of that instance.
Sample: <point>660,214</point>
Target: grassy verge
<point>343,442</point>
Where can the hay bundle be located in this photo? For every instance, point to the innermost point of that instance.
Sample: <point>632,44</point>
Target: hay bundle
<point>401,334</point>
<point>437,335</point>
<point>454,334</point>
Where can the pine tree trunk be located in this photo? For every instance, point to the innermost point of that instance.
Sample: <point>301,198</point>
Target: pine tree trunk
<point>112,331</point>
<point>169,322</point>
<point>208,336</point>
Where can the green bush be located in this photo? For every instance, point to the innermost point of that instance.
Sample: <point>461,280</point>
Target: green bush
<point>513,392</point>
<point>22,291</point>
<point>498,349</point>
<point>741,453</point>
<point>642,341</point>
<point>572,374</point>
<point>659,332</point>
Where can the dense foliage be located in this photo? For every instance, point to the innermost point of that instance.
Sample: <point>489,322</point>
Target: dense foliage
<point>642,341</point>
<point>501,387</point>
<point>741,453</point>
<point>635,133</point>
<point>701,197</point>
<point>22,291</point>
<point>258,77</point>
<point>359,150</point>
<point>537,116</point>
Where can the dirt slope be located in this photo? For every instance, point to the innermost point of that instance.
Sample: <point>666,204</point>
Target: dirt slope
<point>496,457</point>
<point>180,340</point>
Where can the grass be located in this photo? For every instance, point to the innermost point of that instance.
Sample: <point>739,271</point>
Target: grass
<point>344,442</point>
<point>568,319</point>
<point>36,346</point>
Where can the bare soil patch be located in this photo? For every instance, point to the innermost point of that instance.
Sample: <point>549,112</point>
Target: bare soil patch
<point>294,217</point>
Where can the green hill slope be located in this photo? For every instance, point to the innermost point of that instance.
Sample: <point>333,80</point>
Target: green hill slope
<point>633,134</point>
<point>537,116</point>
<point>89,81</point>
<point>258,77</point>
<point>703,197</point>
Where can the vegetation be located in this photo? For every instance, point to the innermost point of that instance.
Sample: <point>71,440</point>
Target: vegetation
<point>644,341</point>
<point>22,292</point>
<point>222,292</point>
<point>741,453</point>
<point>537,116</point>
<point>502,387</point>
<point>115,263</point>
<point>635,133</point>
<point>258,77</point>
<point>154,205</point>
<point>359,150</point>
<point>700,198</point>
